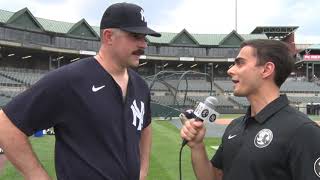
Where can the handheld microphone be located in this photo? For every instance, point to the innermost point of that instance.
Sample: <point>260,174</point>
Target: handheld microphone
<point>203,112</point>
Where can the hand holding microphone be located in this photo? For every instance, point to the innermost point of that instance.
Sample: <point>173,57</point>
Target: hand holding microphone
<point>194,130</point>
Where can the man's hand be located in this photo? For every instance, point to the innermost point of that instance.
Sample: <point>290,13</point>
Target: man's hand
<point>194,132</point>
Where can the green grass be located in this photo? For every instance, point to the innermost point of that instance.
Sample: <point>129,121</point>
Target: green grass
<point>165,153</point>
<point>314,117</point>
<point>229,116</point>
<point>164,157</point>
<point>44,148</point>
<point>164,163</point>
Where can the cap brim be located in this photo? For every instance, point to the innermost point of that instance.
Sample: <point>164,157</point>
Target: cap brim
<point>142,30</point>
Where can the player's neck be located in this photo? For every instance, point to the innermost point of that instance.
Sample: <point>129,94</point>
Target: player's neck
<point>262,98</point>
<point>114,69</point>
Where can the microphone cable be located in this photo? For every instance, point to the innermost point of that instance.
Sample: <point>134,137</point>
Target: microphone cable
<point>203,112</point>
<point>188,114</point>
<point>180,157</point>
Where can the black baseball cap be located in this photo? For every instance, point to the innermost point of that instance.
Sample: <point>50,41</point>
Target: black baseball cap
<point>127,17</point>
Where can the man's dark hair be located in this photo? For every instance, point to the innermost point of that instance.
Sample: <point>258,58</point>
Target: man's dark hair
<point>274,51</point>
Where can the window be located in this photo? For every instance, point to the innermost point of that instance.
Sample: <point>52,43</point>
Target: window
<point>1,33</point>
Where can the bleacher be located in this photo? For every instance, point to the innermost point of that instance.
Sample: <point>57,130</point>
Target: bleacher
<point>304,99</point>
<point>158,86</point>
<point>225,86</point>
<point>299,87</point>
<point>169,101</point>
<point>222,100</point>
<point>21,76</point>
<point>193,85</point>
<point>4,100</point>
<point>15,80</point>
<point>288,86</point>
<point>4,81</point>
<point>299,93</point>
<point>242,101</point>
<point>9,93</point>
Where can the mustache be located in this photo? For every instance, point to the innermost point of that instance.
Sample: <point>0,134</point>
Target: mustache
<point>138,52</point>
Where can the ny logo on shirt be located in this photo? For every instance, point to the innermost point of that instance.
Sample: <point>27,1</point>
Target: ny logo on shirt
<point>137,113</point>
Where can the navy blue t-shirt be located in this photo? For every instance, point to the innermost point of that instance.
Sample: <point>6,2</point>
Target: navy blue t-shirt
<point>97,132</point>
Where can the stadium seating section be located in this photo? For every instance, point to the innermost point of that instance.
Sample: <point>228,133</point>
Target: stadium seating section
<point>171,92</point>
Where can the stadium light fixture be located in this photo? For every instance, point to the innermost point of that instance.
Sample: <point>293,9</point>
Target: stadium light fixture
<point>193,66</point>
<point>92,53</point>
<point>61,57</point>
<point>143,64</point>
<point>9,55</point>
<point>75,59</point>
<point>179,65</point>
<point>26,57</point>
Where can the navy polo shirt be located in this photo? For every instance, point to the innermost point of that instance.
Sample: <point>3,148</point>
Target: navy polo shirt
<point>97,132</point>
<point>279,143</point>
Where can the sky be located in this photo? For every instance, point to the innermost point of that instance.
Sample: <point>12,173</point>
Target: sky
<point>196,16</point>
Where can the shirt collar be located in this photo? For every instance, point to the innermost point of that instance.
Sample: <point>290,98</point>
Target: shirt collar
<point>271,109</point>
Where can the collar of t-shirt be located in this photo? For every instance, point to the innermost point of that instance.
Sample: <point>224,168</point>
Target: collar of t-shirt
<point>272,108</point>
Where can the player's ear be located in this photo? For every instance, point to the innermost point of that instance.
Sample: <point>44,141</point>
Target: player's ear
<point>107,36</point>
<point>268,69</point>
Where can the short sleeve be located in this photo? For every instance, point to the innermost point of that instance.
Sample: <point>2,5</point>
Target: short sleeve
<point>304,153</point>
<point>147,112</point>
<point>217,158</point>
<point>38,107</point>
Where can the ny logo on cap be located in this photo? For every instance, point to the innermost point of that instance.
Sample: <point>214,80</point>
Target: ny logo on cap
<point>142,16</point>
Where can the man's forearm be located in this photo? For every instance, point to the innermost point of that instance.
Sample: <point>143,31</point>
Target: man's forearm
<point>18,150</point>
<point>145,149</point>
<point>202,167</point>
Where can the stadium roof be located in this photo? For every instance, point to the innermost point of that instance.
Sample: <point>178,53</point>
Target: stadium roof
<point>204,39</point>
<point>183,37</point>
<point>47,24</point>
<point>275,32</point>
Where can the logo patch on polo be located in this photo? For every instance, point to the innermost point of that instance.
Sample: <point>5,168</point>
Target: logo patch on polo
<point>316,167</point>
<point>263,138</point>
<point>137,114</point>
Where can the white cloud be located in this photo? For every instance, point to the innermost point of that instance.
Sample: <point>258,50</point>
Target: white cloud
<point>61,10</point>
<point>211,16</point>
<point>69,10</point>
<point>197,16</point>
